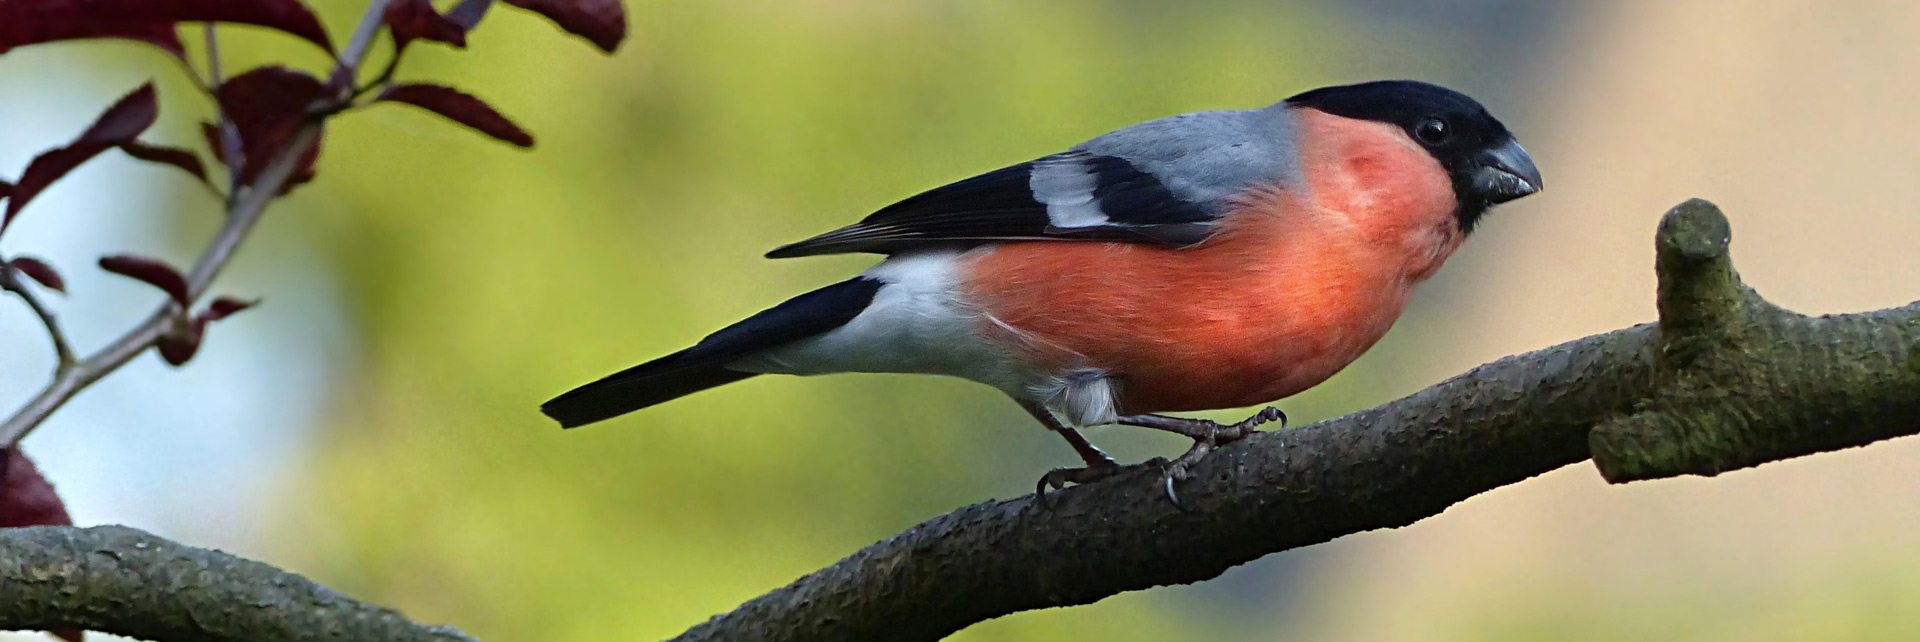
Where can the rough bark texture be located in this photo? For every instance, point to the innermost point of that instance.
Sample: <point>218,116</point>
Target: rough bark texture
<point>121,580</point>
<point>1725,381</point>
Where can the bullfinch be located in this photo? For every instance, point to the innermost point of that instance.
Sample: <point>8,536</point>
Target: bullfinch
<point>1216,259</point>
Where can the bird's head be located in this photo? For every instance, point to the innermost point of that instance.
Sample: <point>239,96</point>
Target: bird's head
<point>1486,164</point>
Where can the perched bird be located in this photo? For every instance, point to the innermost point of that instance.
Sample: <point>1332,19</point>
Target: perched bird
<point>1209,260</point>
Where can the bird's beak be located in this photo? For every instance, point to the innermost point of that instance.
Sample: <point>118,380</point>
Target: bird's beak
<point>1505,173</point>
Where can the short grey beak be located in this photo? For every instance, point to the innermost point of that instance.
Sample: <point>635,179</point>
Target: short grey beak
<point>1505,173</point>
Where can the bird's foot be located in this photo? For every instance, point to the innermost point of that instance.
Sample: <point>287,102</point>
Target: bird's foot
<point>1094,471</point>
<point>1237,431</point>
<point>1207,430</point>
<point>1206,436</point>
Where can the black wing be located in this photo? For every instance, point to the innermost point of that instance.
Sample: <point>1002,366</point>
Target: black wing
<point>1093,198</point>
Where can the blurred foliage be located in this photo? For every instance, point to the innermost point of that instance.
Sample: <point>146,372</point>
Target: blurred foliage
<point>484,280</point>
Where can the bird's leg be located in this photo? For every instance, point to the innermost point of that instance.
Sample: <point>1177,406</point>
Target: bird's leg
<point>1089,453</point>
<point>1098,465</point>
<point>1206,435</point>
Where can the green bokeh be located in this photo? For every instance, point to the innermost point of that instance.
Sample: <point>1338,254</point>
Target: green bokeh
<point>484,279</point>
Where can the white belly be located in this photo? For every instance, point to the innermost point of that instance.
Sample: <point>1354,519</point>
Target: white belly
<point>918,322</point>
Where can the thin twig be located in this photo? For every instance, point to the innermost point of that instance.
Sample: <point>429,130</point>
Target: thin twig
<point>380,81</point>
<point>230,148</point>
<point>61,347</point>
<point>193,75</point>
<point>244,208</point>
<point>213,54</point>
<point>362,39</point>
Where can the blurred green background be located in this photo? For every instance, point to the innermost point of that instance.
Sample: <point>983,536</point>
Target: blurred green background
<point>375,425</point>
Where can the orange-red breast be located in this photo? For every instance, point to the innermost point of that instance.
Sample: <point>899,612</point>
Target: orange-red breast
<point>1208,260</point>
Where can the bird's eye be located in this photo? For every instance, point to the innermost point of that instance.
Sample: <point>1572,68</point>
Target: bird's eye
<point>1433,131</point>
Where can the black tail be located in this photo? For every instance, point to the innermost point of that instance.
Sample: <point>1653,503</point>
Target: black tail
<point>658,381</point>
<point>704,365</point>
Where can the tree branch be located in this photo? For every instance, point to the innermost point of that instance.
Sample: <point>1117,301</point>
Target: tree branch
<point>1725,381</point>
<point>120,580</point>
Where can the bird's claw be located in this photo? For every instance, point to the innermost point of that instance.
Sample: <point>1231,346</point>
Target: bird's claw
<point>1265,415</point>
<point>1248,426</point>
<point>1059,478</point>
<point>1181,467</point>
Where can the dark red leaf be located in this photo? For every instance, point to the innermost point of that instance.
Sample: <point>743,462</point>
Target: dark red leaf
<point>39,271</point>
<point>467,13</point>
<point>6,189</point>
<point>461,108</point>
<point>175,156</point>
<point>268,105</point>
<point>120,124</point>
<point>26,22</point>
<point>303,173</point>
<point>70,635</point>
<point>26,499</point>
<point>124,121</point>
<point>163,35</point>
<point>211,132</point>
<point>410,19</point>
<point>224,307</point>
<point>177,350</point>
<point>602,22</point>
<point>152,271</point>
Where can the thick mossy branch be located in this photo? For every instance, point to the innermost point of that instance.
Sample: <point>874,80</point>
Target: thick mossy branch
<point>1725,381</point>
<point>121,580</point>
<point>1739,381</point>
